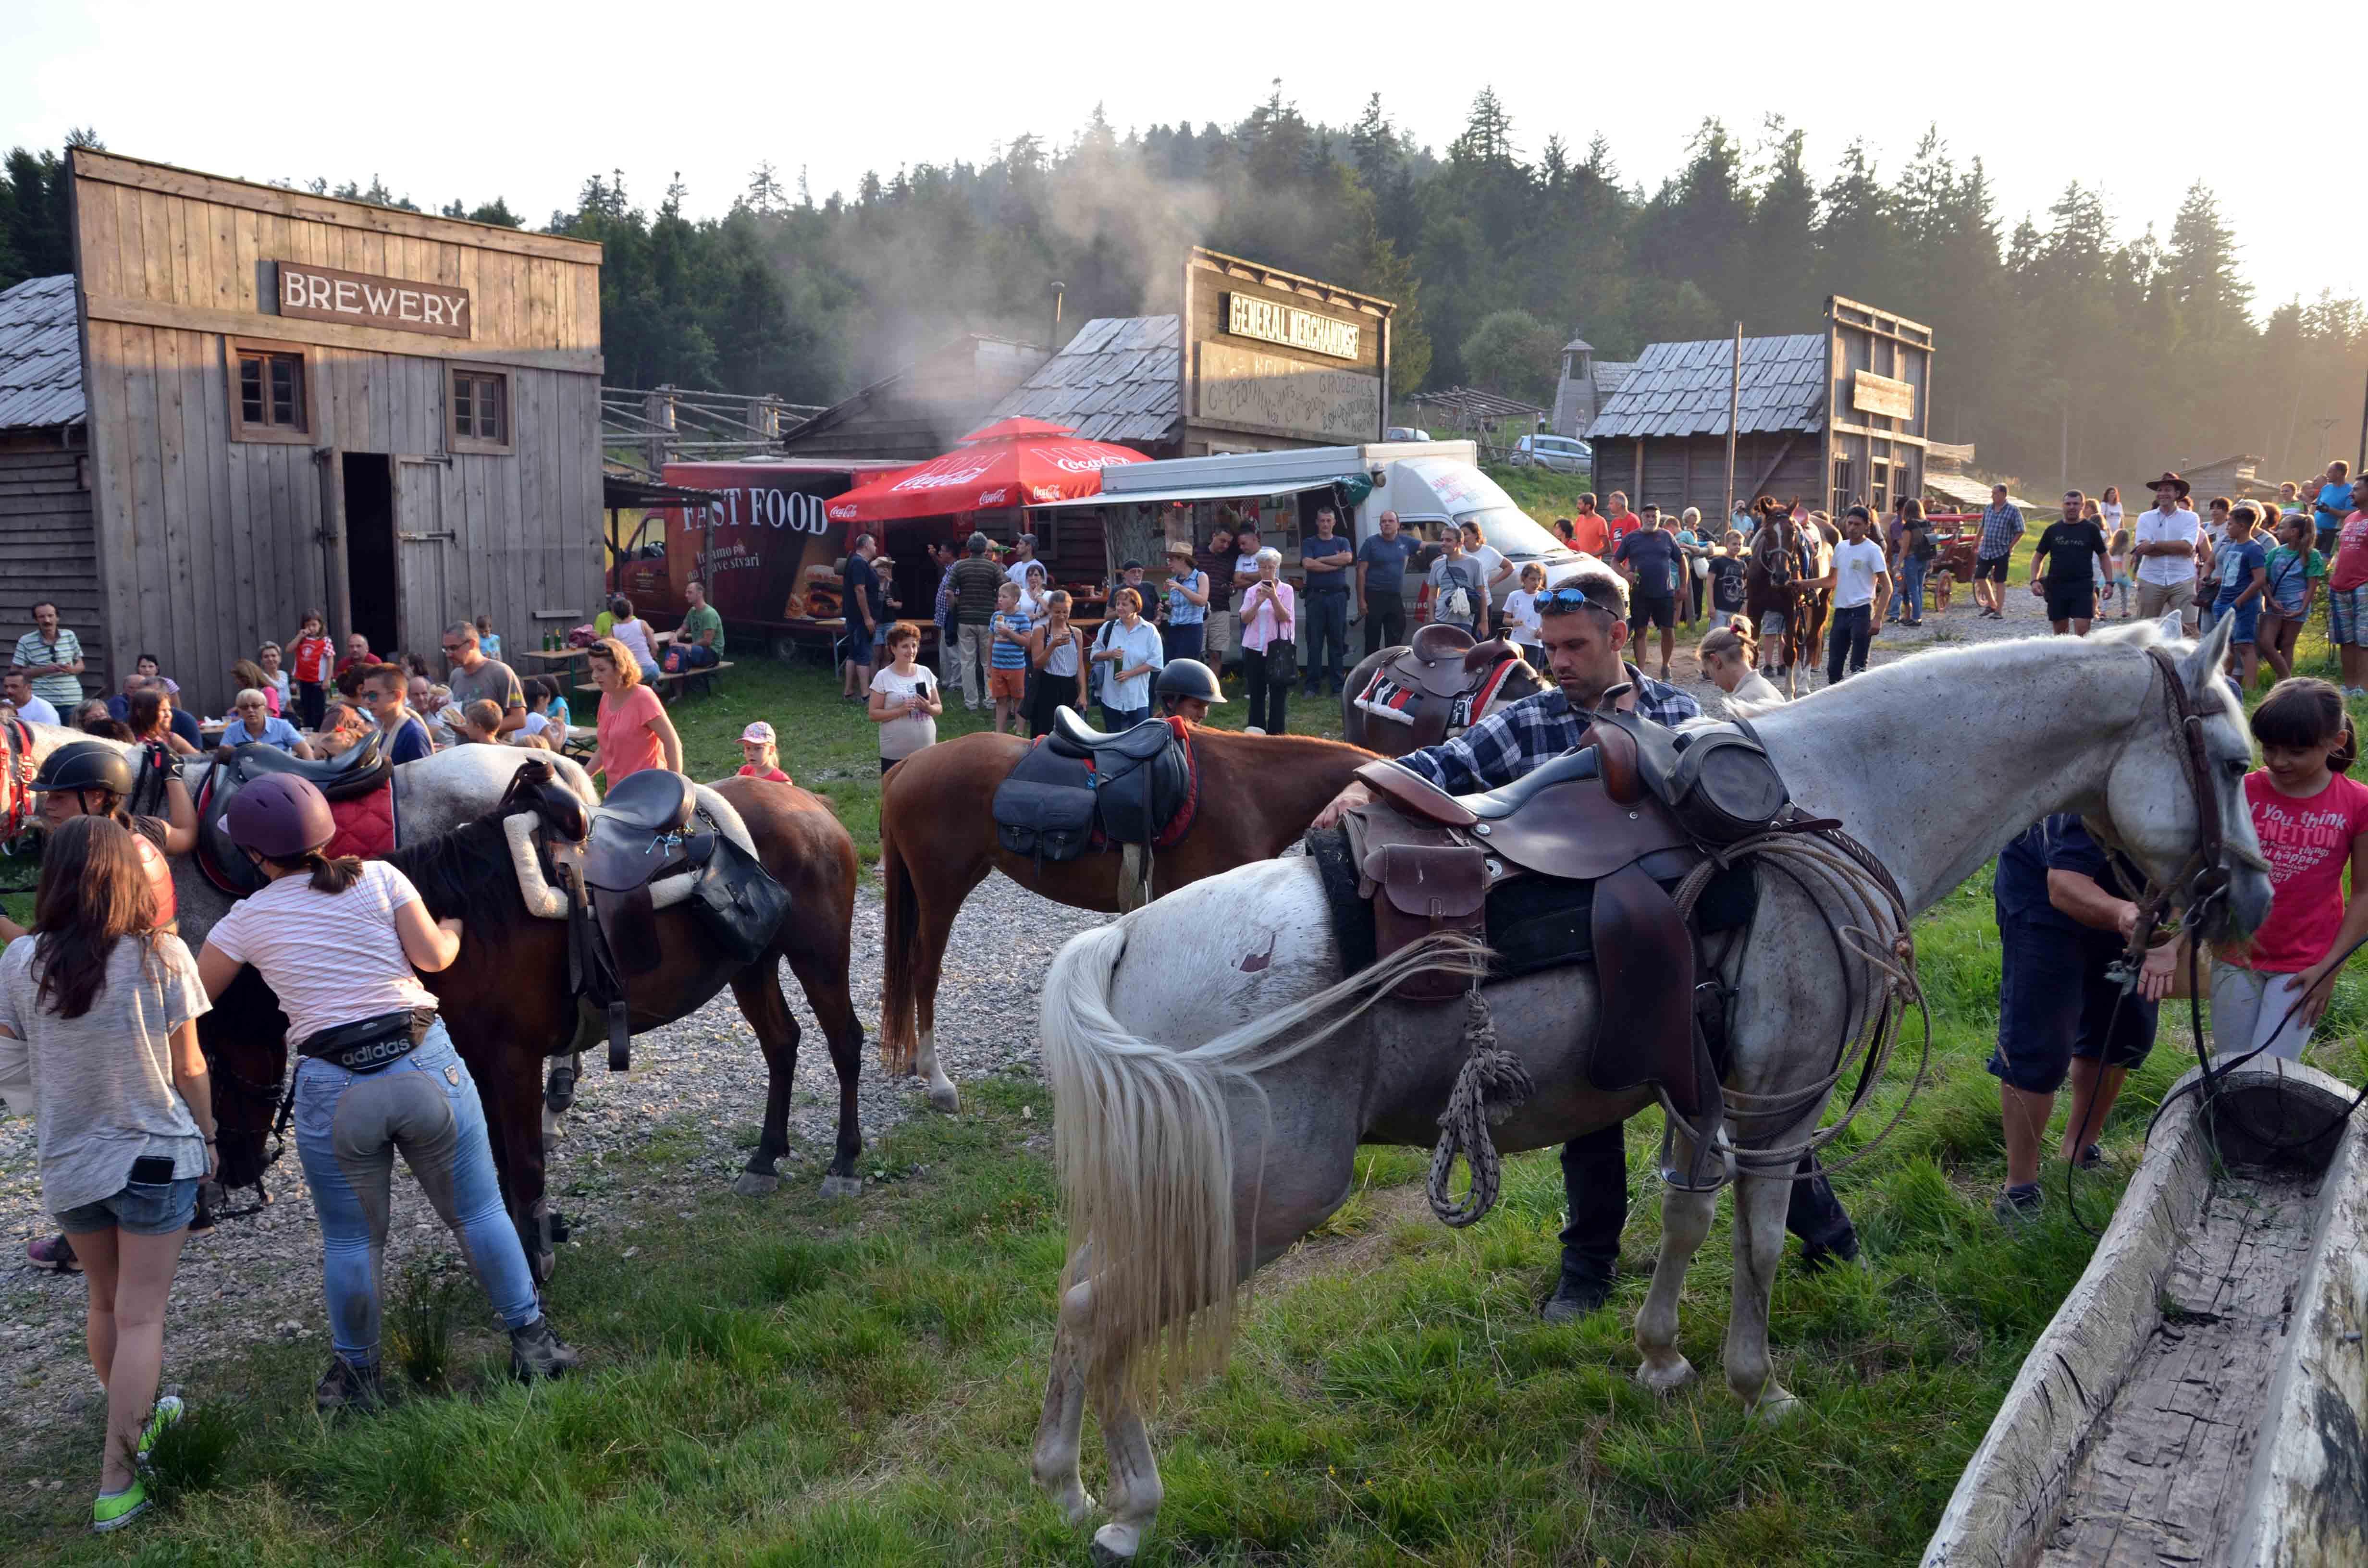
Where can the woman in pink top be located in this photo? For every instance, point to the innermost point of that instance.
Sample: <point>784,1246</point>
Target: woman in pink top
<point>2312,822</point>
<point>633,729</point>
<point>1269,612</point>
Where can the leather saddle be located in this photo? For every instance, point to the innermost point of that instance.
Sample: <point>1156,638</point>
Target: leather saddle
<point>1081,790</point>
<point>361,770</point>
<point>1418,693</point>
<point>1428,861</point>
<point>647,831</point>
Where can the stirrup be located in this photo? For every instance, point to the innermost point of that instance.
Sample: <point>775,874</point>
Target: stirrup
<point>1714,1164</point>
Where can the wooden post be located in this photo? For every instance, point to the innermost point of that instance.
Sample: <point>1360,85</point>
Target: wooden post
<point>1734,405</point>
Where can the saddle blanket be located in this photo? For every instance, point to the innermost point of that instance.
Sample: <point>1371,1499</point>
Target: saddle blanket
<point>1385,698</point>
<point>548,902</point>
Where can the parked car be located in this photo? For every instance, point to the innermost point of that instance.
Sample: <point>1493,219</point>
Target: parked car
<point>1404,432</point>
<point>1564,454</point>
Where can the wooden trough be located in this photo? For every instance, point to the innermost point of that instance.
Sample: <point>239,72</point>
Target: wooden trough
<point>2200,1397</point>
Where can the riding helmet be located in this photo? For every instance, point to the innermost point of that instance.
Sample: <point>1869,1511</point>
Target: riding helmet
<point>84,764</point>
<point>1189,677</point>
<point>280,817</point>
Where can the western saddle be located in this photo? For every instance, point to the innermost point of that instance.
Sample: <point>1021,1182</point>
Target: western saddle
<point>1439,683</point>
<point>1624,812</point>
<point>356,772</point>
<point>1081,790</point>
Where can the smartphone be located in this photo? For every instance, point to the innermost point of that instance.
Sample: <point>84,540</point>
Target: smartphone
<point>152,1170</point>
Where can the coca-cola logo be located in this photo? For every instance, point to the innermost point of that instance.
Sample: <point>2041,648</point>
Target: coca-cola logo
<point>1077,461</point>
<point>942,478</point>
<point>998,496</point>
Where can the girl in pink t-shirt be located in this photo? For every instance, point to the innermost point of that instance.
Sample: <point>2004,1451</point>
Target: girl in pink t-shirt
<point>2312,822</point>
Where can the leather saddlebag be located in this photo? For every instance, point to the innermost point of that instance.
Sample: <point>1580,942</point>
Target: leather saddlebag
<point>1044,807</point>
<point>1426,888</point>
<point>739,902</point>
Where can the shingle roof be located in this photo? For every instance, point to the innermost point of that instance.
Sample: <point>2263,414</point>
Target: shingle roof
<point>1116,381</point>
<point>40,362</point>
<point>1681,388</point>
<point>1608,379</point>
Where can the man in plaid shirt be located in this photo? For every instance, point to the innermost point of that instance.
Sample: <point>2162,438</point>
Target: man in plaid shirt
<point>1585,630</point>
<point>2002,526</point>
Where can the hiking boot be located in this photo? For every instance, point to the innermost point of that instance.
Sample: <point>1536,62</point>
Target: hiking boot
<point>536,1352</point>
<point>54,1254</point>
<point>347,1387</point>
<point>169,1411</point>
<point>1583,1288</point>
<point>2090,1159</point>
<point>2018,1206</point>
<point>113,1510</point>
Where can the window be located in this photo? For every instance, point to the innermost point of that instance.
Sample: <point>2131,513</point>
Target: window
<point>481,409</point>
<point>270,392</point>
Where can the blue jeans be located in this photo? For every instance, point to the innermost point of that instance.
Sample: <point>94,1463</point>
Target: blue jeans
<point>1182,640</point>
<point>1910,597</point>
<point>348,1126</point>
<point>1327,639</point>
<point>1846,642</point>
<point>697,656</point>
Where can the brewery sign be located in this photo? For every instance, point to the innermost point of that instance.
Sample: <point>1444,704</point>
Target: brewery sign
<point>362,299</point>
<point>1881,396</point>
<point>1246,315</point>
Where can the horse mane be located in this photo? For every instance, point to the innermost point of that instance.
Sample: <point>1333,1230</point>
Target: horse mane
<point>468,873</point>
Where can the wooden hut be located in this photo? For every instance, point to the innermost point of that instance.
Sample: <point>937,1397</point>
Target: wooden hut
<point>47,548</point>
<point>1838,418</point>
<point>922,409</point>
<point>293,402</point>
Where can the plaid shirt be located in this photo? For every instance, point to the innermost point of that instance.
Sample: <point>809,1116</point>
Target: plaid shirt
<point>1517,738</point>
<point>2002,526</point>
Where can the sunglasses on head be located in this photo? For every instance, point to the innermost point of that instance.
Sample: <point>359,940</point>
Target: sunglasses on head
<point>1562,601</point>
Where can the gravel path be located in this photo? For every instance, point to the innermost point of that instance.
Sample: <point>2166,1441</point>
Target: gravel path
<point>701,1077</point>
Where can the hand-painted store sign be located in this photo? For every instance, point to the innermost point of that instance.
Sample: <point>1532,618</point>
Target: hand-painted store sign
<point>1249,316</point>
<point>360,298</point>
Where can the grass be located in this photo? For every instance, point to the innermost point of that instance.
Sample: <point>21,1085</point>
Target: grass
<point>797,1380</point>
<point>1545,494</point>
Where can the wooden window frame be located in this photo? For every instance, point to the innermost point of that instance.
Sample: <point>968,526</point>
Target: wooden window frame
<point>240,430</point>
<point>455,442</point>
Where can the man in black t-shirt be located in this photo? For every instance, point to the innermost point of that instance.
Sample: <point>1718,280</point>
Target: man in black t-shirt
<point>2073,552</point>
<point>1648,558</point>
<point>866,608</point>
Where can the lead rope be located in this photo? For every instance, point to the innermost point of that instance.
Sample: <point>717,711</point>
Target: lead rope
<point>1489,1085</point>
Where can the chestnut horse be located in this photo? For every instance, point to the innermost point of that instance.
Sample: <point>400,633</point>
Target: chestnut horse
<point>505,998</point>
<point>1256,794</point>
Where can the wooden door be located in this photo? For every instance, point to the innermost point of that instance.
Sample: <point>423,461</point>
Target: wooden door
<point>423,545</point>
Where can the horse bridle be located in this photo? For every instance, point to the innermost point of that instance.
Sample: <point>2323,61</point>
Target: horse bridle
<point>276,1128</point>
<point>2201,882</point>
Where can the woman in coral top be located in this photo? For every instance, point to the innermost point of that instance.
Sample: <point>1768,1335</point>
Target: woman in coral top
<point>2313,822</point>
<point>633,729</point>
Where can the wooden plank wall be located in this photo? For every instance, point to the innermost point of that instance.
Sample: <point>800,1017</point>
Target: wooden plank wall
<point>1691,470</point>
<point>211,545</point>
<point>48,550</point>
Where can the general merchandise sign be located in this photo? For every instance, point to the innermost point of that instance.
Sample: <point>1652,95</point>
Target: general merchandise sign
<point>1246,315</point>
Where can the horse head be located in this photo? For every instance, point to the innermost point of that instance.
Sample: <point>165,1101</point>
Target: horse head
<point>245,1038</point>
<point>2175,795</point>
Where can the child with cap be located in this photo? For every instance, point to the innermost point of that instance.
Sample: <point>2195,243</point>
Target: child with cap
<point>764,762</point>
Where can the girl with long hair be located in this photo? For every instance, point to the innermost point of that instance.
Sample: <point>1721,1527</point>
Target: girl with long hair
<point>99,1043</point>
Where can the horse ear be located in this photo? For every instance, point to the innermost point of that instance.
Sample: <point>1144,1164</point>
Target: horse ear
<point>2173,627</point>
<point>2209,655</point>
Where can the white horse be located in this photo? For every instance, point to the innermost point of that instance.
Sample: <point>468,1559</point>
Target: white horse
<point>1213,1073</point>
<point>433,795</point>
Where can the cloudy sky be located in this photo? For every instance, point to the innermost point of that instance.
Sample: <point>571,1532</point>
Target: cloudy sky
<point>524,100</point>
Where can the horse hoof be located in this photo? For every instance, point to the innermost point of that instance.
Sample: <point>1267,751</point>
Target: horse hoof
<point>1776,1403</point>
<point>1116,1543</point>
<point>944,1097</point>
<point>842,1186</point>
<point>756,1183</point>
<point>1666,1379</point>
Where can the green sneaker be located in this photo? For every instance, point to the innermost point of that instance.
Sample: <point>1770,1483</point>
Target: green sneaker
<point>113,1510</point>
<point>168,1411</point>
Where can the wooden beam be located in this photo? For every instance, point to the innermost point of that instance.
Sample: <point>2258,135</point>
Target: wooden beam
<point>335,334</point>
<point>1842,428</point>
<point>305,206</point>
<point>1842,302</point>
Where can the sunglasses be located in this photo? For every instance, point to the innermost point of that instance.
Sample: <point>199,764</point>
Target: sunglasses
<point>1563,601</point>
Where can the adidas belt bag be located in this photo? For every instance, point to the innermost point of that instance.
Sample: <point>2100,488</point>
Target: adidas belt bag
<point>367,1044</point>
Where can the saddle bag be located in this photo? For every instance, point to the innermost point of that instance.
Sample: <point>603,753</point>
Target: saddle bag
<point>1426,888</point>
<point>1044,807</point>
<point>739,902</point>
<point>1723,787</point>
<point>367,1044</point>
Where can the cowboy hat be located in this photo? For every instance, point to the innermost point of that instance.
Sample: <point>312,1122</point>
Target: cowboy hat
<point>1179,547</point>
<point>2171,478</point>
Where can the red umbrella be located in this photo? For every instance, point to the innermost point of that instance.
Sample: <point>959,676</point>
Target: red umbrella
<point>1015,462</point>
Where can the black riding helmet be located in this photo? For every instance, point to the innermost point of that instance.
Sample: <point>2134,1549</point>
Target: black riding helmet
<point>1189,677</point>
<point>84,764</point>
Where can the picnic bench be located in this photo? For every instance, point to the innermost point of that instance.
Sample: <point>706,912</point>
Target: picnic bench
<point>673,684</point>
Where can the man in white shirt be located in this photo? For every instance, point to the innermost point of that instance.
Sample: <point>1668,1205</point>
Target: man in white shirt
<point>2163,544</point>
<point>17,686</point>
<point>1857,573</point>
<point>1024,559</point>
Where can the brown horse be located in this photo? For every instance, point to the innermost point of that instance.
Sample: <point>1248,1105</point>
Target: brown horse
<point>506,1001</point>
<point>1255,796</point>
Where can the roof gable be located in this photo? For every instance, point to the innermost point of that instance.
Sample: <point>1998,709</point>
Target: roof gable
<point>40,357</point>
<point>1681,388</point>
<point>1116,381</point>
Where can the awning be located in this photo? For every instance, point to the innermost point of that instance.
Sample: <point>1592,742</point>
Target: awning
<point>1197,492</point>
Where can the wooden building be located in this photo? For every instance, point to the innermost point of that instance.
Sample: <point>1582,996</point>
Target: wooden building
<point>1259,359</point>
<point>923,409</point>
<point>47,550</point>
<point>297,403</point>
<point>1837,418</point>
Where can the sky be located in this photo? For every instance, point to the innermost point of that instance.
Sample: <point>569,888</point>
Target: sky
<point>524,101</point>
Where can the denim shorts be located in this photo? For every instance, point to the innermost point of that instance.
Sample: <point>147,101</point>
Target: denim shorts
<point>2054,1004</point>
<point>2247,616</point>
<point>142,1208</point>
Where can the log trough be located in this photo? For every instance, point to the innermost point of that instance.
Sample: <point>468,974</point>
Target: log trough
<point>2201,1397</point>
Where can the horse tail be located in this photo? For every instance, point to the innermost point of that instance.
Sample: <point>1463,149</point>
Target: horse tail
<point>1144,1143</point>
<point>898,1042</point>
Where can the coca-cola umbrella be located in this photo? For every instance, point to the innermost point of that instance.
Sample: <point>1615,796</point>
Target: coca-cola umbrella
<point>1013,463</point>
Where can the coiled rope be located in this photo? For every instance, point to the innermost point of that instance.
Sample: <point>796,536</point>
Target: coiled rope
<point>1488,1087</point>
